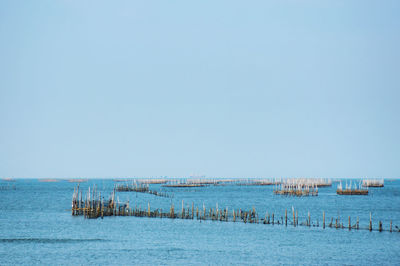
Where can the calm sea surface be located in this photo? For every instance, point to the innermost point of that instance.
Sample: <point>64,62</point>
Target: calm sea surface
<point>36,227</point>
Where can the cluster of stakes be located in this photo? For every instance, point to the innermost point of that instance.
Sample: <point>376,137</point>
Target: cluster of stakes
<point>92,205</point>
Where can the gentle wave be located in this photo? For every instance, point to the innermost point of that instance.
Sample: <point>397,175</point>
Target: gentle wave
<point>47,240</point>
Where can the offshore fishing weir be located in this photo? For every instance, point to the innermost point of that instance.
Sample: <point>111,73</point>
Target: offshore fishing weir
<point>92,204</point>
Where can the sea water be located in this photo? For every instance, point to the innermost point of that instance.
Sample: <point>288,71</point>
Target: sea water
<point>36,227</point>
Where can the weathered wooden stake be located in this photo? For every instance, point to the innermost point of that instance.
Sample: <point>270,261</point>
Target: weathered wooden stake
<point>380,226</point>
<point>370,221</point>
<point>285,217</point>
<point>390,225</point>
<point>349,224</point>
<point>294,218</point>
<point>183,210</point>
<point>323,219</point>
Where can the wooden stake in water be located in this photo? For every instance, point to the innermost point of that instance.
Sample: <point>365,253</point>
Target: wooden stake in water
<point>380,226</point>
<point>172,214</point>
<point>390,225</point>
<point>285,217</point>
<point>323,219</point>
<point>183,210</point>
<point>357,224</point>
<point>349,224</point>
<point>294,217</point>
<point>370,221</point>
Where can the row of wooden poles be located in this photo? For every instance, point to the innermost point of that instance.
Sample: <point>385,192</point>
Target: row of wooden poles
<point>141,188</point>
<point>94,206</point>
<point>296,190</point>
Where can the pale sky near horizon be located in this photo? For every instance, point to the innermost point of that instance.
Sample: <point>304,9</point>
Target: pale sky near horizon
<point>216,88</point>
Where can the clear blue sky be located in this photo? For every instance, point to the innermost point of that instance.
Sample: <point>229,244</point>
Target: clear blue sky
<point>216,88</point>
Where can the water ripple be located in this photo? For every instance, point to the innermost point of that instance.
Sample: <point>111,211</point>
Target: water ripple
<point>47,240</point>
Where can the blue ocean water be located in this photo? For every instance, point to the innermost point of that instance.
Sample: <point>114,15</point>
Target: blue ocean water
<point>36,227</point>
